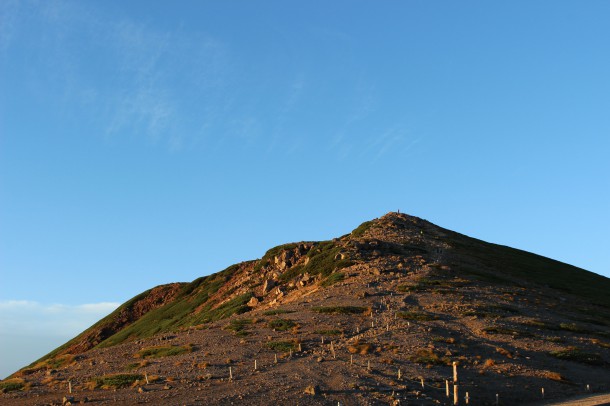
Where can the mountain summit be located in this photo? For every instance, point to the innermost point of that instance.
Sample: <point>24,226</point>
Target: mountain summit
<point>381,315</point>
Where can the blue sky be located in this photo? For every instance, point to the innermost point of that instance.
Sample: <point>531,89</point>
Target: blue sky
<point>146,142</point>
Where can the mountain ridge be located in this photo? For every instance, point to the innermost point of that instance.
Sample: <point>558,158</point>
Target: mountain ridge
<point>445,285</point>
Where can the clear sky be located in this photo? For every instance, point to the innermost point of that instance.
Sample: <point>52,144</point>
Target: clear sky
<point>148,142</point>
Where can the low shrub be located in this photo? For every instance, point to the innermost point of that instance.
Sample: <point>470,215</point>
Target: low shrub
<point>577,355</point>
<point>116,381</point>
<point>281,324</point>
<point>415,316</point>
<point>12,384</point>
<point>282,346</point>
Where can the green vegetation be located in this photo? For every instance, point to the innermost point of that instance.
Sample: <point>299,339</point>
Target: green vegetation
<point>282,346</point>
<point>513,263</point>
<point>340,309</point>
<point>274,252</point>
<point>577,355</point>
<point>163,351</point>
<point>13,384</point>
<point>117,381</point>
<point>238,326</point>
<point>416,316</point>
<point>322,261</point>
<point>362,228</point>
<point>574,328</point>
<point>333,278</point>
<point>281,324</point>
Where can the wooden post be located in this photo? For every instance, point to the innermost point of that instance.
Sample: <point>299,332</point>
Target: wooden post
<point>332,349</point>
<point>357,329</point>
<point>275,361</point>
<point>146,377</point>
<point>467,398</point>
<point>387,327</point>
<point>447,387</point>
<point>588,388</point>
<point>372,324</point>
<point>230,374</point>
<point>255,365</point>
<point>542,393</point>
<point>399,374</point>
<point>455,373</point>
<point>322,339</point>
<point>497,399</point>
<point>456,399</point>
<point>422,382</point>
<point>300,348</point>
<point>69,386</point>
<point>368,366</point>
<point>351,359</point>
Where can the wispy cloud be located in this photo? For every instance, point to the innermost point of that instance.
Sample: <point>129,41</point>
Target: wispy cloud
<point>18,317</point>
<point>30,329</point>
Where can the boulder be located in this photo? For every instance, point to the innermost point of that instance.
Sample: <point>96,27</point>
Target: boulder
<point>268,285</point>
<point>253,302</point>
<point>312,390</point>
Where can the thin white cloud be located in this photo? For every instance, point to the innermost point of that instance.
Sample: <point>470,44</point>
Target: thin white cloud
<point>29,329</point>
<point>18,317</point>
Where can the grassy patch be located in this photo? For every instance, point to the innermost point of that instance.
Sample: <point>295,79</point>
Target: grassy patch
<point>163,351</point>
<point>429,357</point>
<point>340,309</point>
<point>577,355</point>
<point>116,381</point>
<point>13,384</point>
<point>362,228</point>
<point>282,346</point>
<point>322,261</point>
<point>333,278</point>
<point>277,311</point>
<point>238,326</point>
<point>416,316</point>
<point>281,324</point>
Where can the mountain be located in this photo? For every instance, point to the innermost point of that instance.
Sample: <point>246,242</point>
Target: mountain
<point>335,321</point>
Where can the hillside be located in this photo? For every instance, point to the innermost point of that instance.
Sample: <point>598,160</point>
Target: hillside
<point>344,316</point>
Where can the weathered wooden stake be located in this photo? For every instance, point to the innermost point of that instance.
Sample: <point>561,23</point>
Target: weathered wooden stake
<point>372,324</point>
<point>422,382</point>
<point>399,374</point>
<point>146,377</point>
<point>588,388</point>
<point>467,398</point>
<point>351,360</point>
<point>255,365</point>
<point>332,349</point>
<point>300,348</point>
<point>357,329</point>
<point>322,339</point>
<point>497,399</point>
<point>542,393</point>
<point>69,386</point>
<point>447,387</point>
<point>395,315</point>
<point>456,398</point>
<point>368,366</point>
<point>455,374</point>
<point>230,373</point>
<point>275,361</point>
<point>387,327</point>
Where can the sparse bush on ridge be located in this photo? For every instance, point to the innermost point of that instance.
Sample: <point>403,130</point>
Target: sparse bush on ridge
<point>12,384</point>
<point>281,324</point>
<point>115,381</point>
<point>282,346</point>
<point>577,355</point>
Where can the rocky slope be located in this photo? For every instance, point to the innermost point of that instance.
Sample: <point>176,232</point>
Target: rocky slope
<point>339,319</point>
